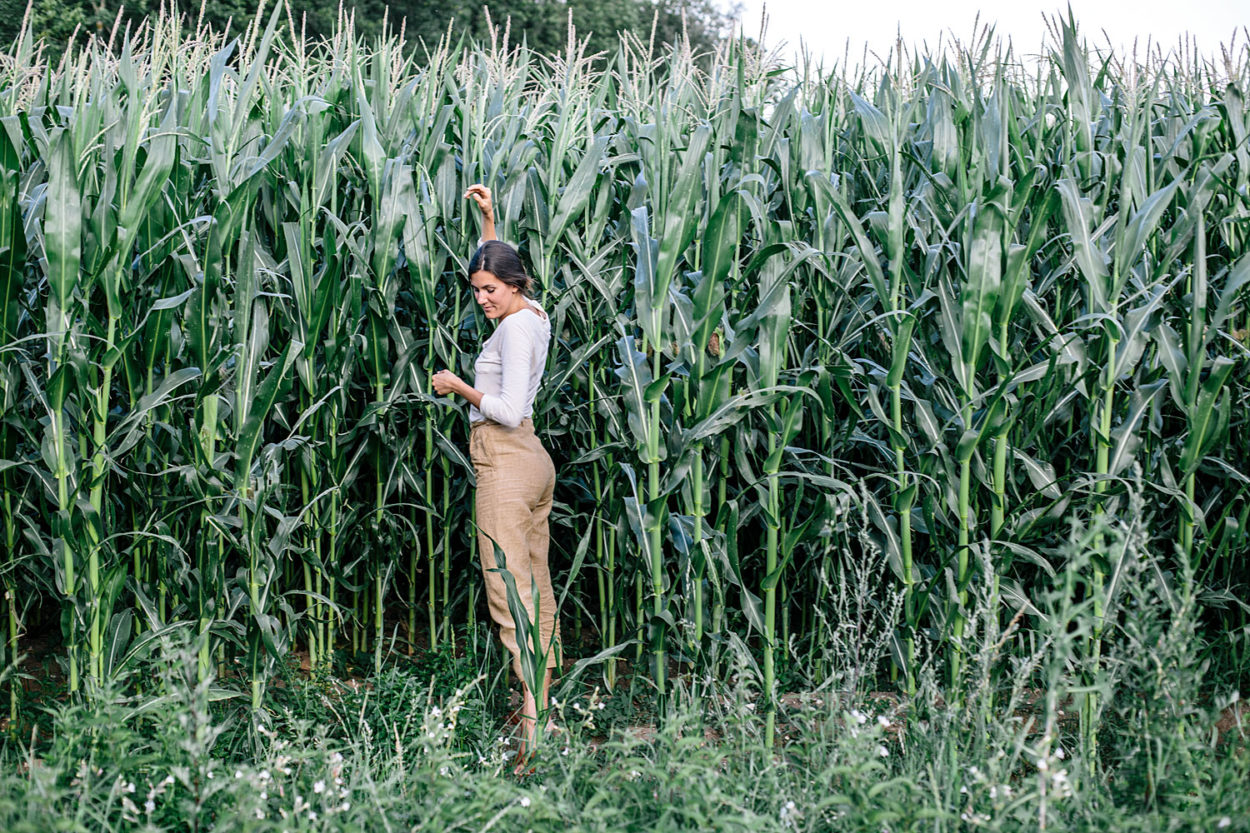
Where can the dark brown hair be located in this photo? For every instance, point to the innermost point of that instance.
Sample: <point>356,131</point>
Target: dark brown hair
<point>502,261</point>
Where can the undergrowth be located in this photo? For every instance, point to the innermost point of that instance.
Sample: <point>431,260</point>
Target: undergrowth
<point>1036,733</point>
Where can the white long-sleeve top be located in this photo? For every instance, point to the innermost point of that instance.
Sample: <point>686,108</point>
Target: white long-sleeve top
<point>510,367</point>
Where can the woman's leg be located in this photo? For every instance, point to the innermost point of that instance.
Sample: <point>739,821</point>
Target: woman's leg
<point>538,542</point>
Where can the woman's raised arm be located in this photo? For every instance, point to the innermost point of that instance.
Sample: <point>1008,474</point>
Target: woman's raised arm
<point>480,194</point>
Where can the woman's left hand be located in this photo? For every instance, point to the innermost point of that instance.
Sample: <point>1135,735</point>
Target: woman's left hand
<point>445,382</point>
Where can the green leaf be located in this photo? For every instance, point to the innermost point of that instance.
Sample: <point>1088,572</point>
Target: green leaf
<point>258,412</point>
<point>1204,417</point>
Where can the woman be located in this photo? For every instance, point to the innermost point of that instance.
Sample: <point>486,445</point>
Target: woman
<point>515,475</point>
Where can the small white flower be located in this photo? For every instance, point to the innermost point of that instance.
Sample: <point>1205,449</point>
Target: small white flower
<point>1224,822</point>
<point>238,773</point>
<point>859,716</point>
<point>210,775</point>
<point>883,752</point>
<point>149,806</point>
<point>345,806</point>
<point>264,796</point>
<point>264,775</point>
<point>525,801</point>
<point>319,787</point>
<point>130,788</point>
<point>312,815</point>
<point>884,721</point>
<point>260,814</point>
<point>1042,764</point>
<point>1059,753</point>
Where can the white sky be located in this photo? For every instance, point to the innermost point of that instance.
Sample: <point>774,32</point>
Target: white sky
<point>824,26</point>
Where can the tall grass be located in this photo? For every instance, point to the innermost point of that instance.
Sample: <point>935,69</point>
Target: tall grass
<point>417,747</point>
<point>962,295</point>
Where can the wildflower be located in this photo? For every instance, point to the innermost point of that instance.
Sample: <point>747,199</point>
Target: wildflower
<point>1224,822</point>
<point>264,775</point>
<point>130,788</point>
<point>525,801</point>
<point>264,796</point>
<point>260,814</point>
<point>884,721</point>
<point>883,752</point>
<point>345,806</point>
<point>312,815</point>
<point>859,716</point>
<point>149,806</point>
<point>319,787</point>
<point>238,773</point>
<point>1059,753</point>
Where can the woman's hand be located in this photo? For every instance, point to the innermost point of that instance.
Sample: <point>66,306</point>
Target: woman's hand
<point>446,382</point>
<point>480,194</point>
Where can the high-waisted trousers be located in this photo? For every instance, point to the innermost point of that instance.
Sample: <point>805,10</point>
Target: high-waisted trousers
<point>515,479</point>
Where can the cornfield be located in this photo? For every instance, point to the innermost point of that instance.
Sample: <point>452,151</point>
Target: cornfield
<point>930,311</point>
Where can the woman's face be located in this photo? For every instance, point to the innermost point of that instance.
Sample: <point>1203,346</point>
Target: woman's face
<point>494,296</point>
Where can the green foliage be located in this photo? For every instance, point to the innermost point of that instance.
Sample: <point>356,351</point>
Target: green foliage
<point>542,25</point>
<point>157,750</point>
<point>840,361</point>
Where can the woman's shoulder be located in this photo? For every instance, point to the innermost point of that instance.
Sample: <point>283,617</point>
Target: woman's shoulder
<point>533,319</point>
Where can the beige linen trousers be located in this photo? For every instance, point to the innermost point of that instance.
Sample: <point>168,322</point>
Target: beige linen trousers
<point>515,479</point>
